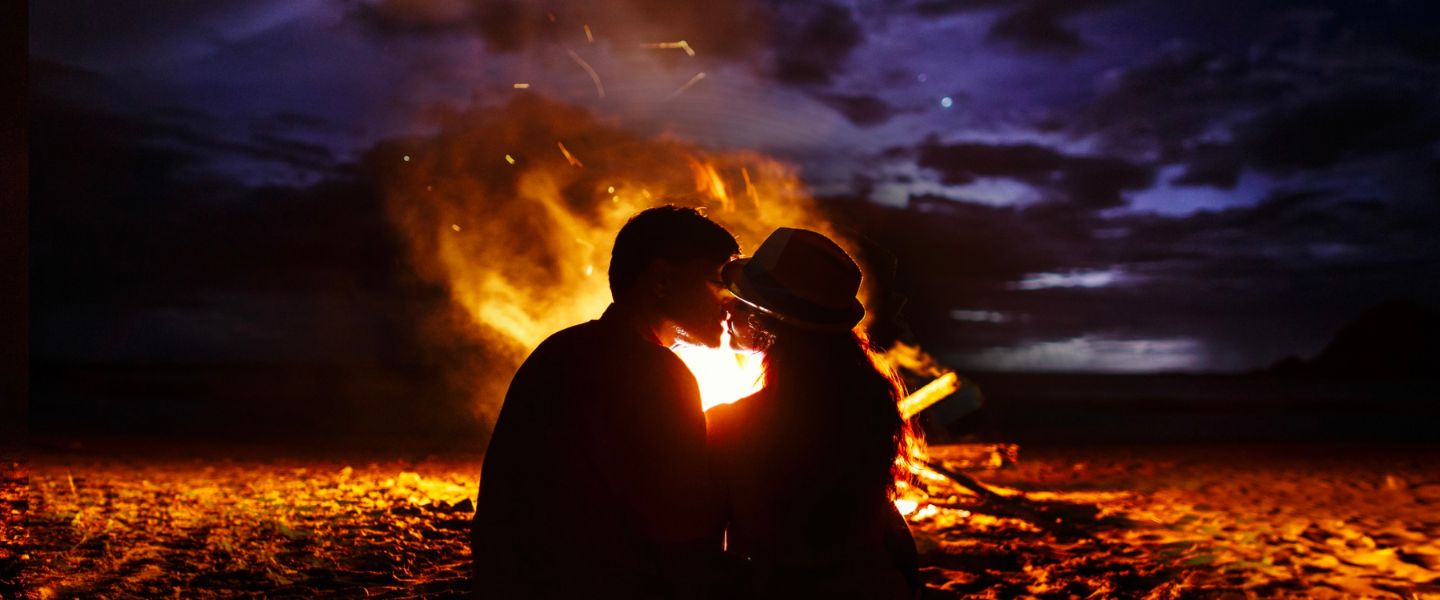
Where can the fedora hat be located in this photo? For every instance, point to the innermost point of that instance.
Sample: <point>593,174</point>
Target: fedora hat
<point>799,277</point>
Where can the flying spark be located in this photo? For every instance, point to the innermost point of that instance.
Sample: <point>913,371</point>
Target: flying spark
<point>682,44</point>
<point>509,159</point>
<point>522,86</point>
<point>588,36</point>
<point>595,77</point>
<point>693,80</point>
<point>574,162</point>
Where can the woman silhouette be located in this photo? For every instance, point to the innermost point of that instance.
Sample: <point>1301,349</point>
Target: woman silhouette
<point>805,466</point>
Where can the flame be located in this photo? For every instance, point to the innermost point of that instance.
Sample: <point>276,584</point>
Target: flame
<point>535,234</point>
<point>724,375</point>
<point>906,506</point>
<point>708,181</point>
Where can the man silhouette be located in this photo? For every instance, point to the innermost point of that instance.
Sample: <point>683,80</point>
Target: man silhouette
<point>594,483</point>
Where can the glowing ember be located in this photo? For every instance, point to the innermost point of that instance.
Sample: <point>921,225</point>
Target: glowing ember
<point>682,44</point>
<point>574,162</point>
<point>724,375</point>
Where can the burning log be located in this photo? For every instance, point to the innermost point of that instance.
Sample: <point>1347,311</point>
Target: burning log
<point>963,480</point>
<point>926,467</point>
<point>927,396</point>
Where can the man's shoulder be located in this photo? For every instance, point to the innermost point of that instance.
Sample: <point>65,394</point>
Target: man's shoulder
<point>571,336</point>
<point>601,343</point>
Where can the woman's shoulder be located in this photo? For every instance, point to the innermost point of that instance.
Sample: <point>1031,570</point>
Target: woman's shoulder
<point>725,419</point>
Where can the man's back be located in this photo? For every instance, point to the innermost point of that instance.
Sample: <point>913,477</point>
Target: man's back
<point>596,465</point>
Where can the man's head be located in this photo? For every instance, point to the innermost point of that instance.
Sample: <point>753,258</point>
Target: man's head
<point>667,262</point>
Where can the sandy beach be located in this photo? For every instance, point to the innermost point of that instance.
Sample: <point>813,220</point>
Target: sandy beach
<point>1126,522</point>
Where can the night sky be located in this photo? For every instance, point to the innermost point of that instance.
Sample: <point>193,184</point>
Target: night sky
<point>1069,185</point>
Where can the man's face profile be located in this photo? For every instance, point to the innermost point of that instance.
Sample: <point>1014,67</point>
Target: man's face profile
<point>696,302</point>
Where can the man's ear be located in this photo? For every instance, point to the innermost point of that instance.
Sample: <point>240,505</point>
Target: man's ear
<point>660,277</point>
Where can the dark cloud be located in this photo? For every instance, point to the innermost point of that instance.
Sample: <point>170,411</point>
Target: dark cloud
<point>1280,88</point>
<point>732,31</point>
<point>804,44</point>
<point>863,111</point>
<point>137,221</point>
<point>1251,283</point>
<point>93,34</point>
<point>297,122</point>
<point>1082,181</point>
<point>169,300</point>
<point>1318,132</point>
<point>1215,165</point>
<point>191,135</point>
<point>1290,243</point>
<point>1164,103</point>
<point>939,8</point>
<point>505,25</point>
<point>812,45</point>
<point>1038,26</point>
<point>1406,27</point>
<point>1336,99</point>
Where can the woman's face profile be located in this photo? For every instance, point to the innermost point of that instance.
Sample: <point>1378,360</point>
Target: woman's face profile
<point>747,329</point>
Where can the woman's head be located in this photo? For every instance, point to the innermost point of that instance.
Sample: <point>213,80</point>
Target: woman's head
<point>800,278</point>
<point>795,301</point>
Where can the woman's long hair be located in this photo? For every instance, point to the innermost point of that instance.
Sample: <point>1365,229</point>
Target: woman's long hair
<point>839,402</point>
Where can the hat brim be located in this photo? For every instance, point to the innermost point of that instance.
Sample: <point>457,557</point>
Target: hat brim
<point>785,307</point>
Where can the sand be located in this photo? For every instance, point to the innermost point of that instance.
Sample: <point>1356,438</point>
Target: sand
<point>1121,522</point>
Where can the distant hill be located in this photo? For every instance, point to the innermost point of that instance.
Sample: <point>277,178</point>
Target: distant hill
<point>1394,339</point>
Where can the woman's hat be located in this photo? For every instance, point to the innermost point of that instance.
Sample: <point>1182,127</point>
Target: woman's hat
<point>799,277</point>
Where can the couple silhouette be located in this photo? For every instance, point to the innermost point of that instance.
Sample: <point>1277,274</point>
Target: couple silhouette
<point>604,478</point>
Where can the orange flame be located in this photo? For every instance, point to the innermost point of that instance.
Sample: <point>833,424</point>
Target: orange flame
<point>708,181</point>
<point>724,375</point>
<point>535,234</point>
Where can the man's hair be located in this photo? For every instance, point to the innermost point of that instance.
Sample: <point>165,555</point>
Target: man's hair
<point>673,233</point>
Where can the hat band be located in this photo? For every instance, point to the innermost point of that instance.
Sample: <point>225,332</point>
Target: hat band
<point>787,307</point>
<point>793,321</point>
